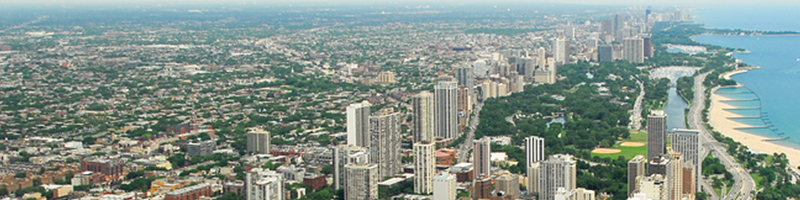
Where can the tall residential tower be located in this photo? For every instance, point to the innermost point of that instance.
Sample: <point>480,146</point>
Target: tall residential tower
<point>633,49</point>
<point>656,134</point>
<point>534,150</point>
<point>481,159</point>
<point>444,186</point>
<point>343,155</point>
<point>358,124</point>
<point>263,184</point>
<point>687,143</point>
<point>423,117</point>
<point>561,50</point>
<point>558,171</point>
<point>258,141</point>
<point>446,107</point>
<point>636,171</point>
<point>362,182</point>
<point>384,148</point>
<point>424,167</point>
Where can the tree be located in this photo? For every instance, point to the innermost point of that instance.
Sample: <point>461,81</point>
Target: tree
<point>204,136</point>
<point>328,169</point>
<point>178,160</point>
<point>325,193</point>
<point>701,196</point>
<point>134,174</point>
<point>89,140</point>
<point>20,175</point>
<point>142,184</point>
<point>272,166</point>
<point>230,196</point>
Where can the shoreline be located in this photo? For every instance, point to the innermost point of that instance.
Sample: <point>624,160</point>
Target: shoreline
<point>750,35</point>
<point>719,120</point>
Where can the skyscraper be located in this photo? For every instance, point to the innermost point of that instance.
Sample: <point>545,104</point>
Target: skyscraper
<point>488,89</point>
<point>464,106</point>
<point>689,181</point>
<point>534,150</point>
<point>636,171</point>
<point>528,64</point>
<point>257,141</point>
<point>656,134</point>
<point>502,90</point>
<point>659,165</point>
<point>675,176</point>
<point>541,57</point>
<point>561,50</point>
<point>464,77</point>
<point>687,143</point>
<point>343,155</point>
<point>481,159</point>
<point>518,83</point>
<point>423,116</point>
<point>575,194</point>
<point>508,184</point>
<point>569,32</point>
<point>446,107</point>
<point>533,177</point>
<point>424,167</point>
<point>605,53</point>
<point>444,186</point>
<point>607,27</point>
<point>654,186</point>
<point>358,124</point>
<point>545,74</point>
<point>263,184</point>
<point>619,24</point>
<point>362,182</point>
<point>482,188</point>
<point>385,142</point>
<point>558,171</point>
<point>647,40</point>
<point>633,49</point>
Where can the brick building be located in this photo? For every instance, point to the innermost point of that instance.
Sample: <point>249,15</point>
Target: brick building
<point>190,193</point>
<point>315,182</point>
<point>110,169</point>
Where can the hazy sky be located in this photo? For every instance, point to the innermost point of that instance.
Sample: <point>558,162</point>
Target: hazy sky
<point>285,2</point>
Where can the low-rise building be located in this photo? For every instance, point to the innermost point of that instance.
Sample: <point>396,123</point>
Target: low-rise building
<point>202,148</point>
<point>190,193</point>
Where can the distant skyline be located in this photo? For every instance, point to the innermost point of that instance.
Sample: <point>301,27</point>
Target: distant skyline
<point>373,2</point>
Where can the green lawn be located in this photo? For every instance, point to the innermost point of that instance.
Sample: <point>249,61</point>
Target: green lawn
<point>757,178</point>
<point>728,186</point>
<point>629,152</point>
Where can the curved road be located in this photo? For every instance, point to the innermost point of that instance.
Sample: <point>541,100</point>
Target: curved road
<point>743,183</point>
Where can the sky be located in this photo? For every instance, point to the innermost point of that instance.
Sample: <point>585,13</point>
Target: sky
<point>285,2</point>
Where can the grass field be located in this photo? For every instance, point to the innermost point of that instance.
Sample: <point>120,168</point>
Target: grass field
<point>757,178</point>
<point>629,152</point>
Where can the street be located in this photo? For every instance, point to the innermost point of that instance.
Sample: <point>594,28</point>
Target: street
<point>464,147</point>
<point>743,183</point>
<point>636,113</point>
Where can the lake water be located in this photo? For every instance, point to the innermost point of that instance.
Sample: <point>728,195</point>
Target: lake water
<point>777,84</point>
<point>675,109</point>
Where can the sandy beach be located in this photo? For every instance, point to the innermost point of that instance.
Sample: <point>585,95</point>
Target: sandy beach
<point>718,118</point>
